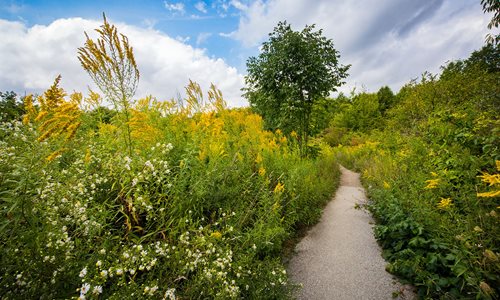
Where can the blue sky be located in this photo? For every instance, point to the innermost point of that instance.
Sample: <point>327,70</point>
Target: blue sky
<point>388,42</point>
<point>197,23</point>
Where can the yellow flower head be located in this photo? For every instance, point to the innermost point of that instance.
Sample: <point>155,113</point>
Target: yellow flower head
<point>491,179</point>
<point>87,156</point>
<point>444,203</point>
<point>262,171</point>
<point>258,159</point>
<point>386,185</point>
<point>490,194</point>
<point>293,134</point>
<point>54,155</point>
<point>279,188</point>
<point>216,235</point>
<point>432,183</point>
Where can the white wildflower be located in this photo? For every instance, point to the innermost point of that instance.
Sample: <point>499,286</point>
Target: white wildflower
<point>84,289</point>
<point>97,290</point>
<point>169,294</point>
<point>149,165</point>
<point>83,272</point>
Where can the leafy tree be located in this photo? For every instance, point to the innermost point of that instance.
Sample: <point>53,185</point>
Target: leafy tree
<point>386,99</point>
<point>494,7</point>
<point>111,64</point>
<point>293,72</point>
<point>10,107</point>
<point>362,114</point>
<point>487,58</point>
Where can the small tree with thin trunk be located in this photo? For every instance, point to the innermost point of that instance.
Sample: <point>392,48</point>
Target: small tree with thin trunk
<point>111,64</point>
<point>294,70</point>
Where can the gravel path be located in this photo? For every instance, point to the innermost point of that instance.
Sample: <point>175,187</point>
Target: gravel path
<point>339,258</point>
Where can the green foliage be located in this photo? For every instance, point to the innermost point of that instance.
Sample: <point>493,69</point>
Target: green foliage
<point>427,172</point>
<point>293,72</point>
<point>197,205</point>
<point>386,99</point>
<point>10,107</point>
<point>362,114</point>
<point>494,7</point>
<point>201,209</point>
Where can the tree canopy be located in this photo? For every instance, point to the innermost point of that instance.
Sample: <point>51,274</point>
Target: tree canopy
<point>293,71</point>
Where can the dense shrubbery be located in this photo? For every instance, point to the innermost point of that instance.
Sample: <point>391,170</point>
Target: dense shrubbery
<point>432,171</point>
<point>200,209</point>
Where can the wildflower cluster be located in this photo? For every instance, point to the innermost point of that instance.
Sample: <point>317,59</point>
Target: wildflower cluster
<point>197,212</point>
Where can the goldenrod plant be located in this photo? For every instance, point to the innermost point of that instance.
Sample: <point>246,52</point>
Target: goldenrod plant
<point>202,207</point>
<point>431,170</point>
<point>111,64</point>
<point>56,119</point>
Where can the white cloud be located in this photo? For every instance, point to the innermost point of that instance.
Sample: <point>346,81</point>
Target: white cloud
<point>238,5</point>
<point>202,38</point>
<point>201,6</point>
<point>175,7</point>
<point>183,39</point>
<point>149,23</point>
<point>387,42</point>
<point>31,57</point>
<point>14,8</point>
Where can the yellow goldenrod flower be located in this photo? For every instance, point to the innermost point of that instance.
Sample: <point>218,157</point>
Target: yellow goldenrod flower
<point>444,203</point>
<point>54,155</point>
<point>262,171</point>
<point>41,115</point>
<point>272,144</point>
<point>87,156</point>
<point>490,194</point>
<point>279,188</point>
<point>293,134</point>
<point>432,183</point>
<point>490,179</point>
<point>216,235</point>
<point>258,159</point>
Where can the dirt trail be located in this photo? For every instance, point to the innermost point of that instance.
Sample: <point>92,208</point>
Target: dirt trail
<point>339,258</point>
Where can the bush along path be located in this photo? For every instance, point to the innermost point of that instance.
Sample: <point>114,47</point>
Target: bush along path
<point>339,258</point>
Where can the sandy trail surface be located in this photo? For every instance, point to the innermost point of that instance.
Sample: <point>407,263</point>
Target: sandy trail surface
<point>339,258</point>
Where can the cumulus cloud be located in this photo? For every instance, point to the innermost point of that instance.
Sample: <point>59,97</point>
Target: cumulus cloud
<point>175,7</point>
<point>387,42</point>
<point>31,57</point>
<point>201,6</point>
<point>238,5</point>
<point>202,38</point>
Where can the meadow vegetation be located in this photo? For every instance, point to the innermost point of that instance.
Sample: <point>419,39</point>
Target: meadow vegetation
<point>182,199</point>
<point>200,209</point>
<point>430,160</point>
<point>107,197</point>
